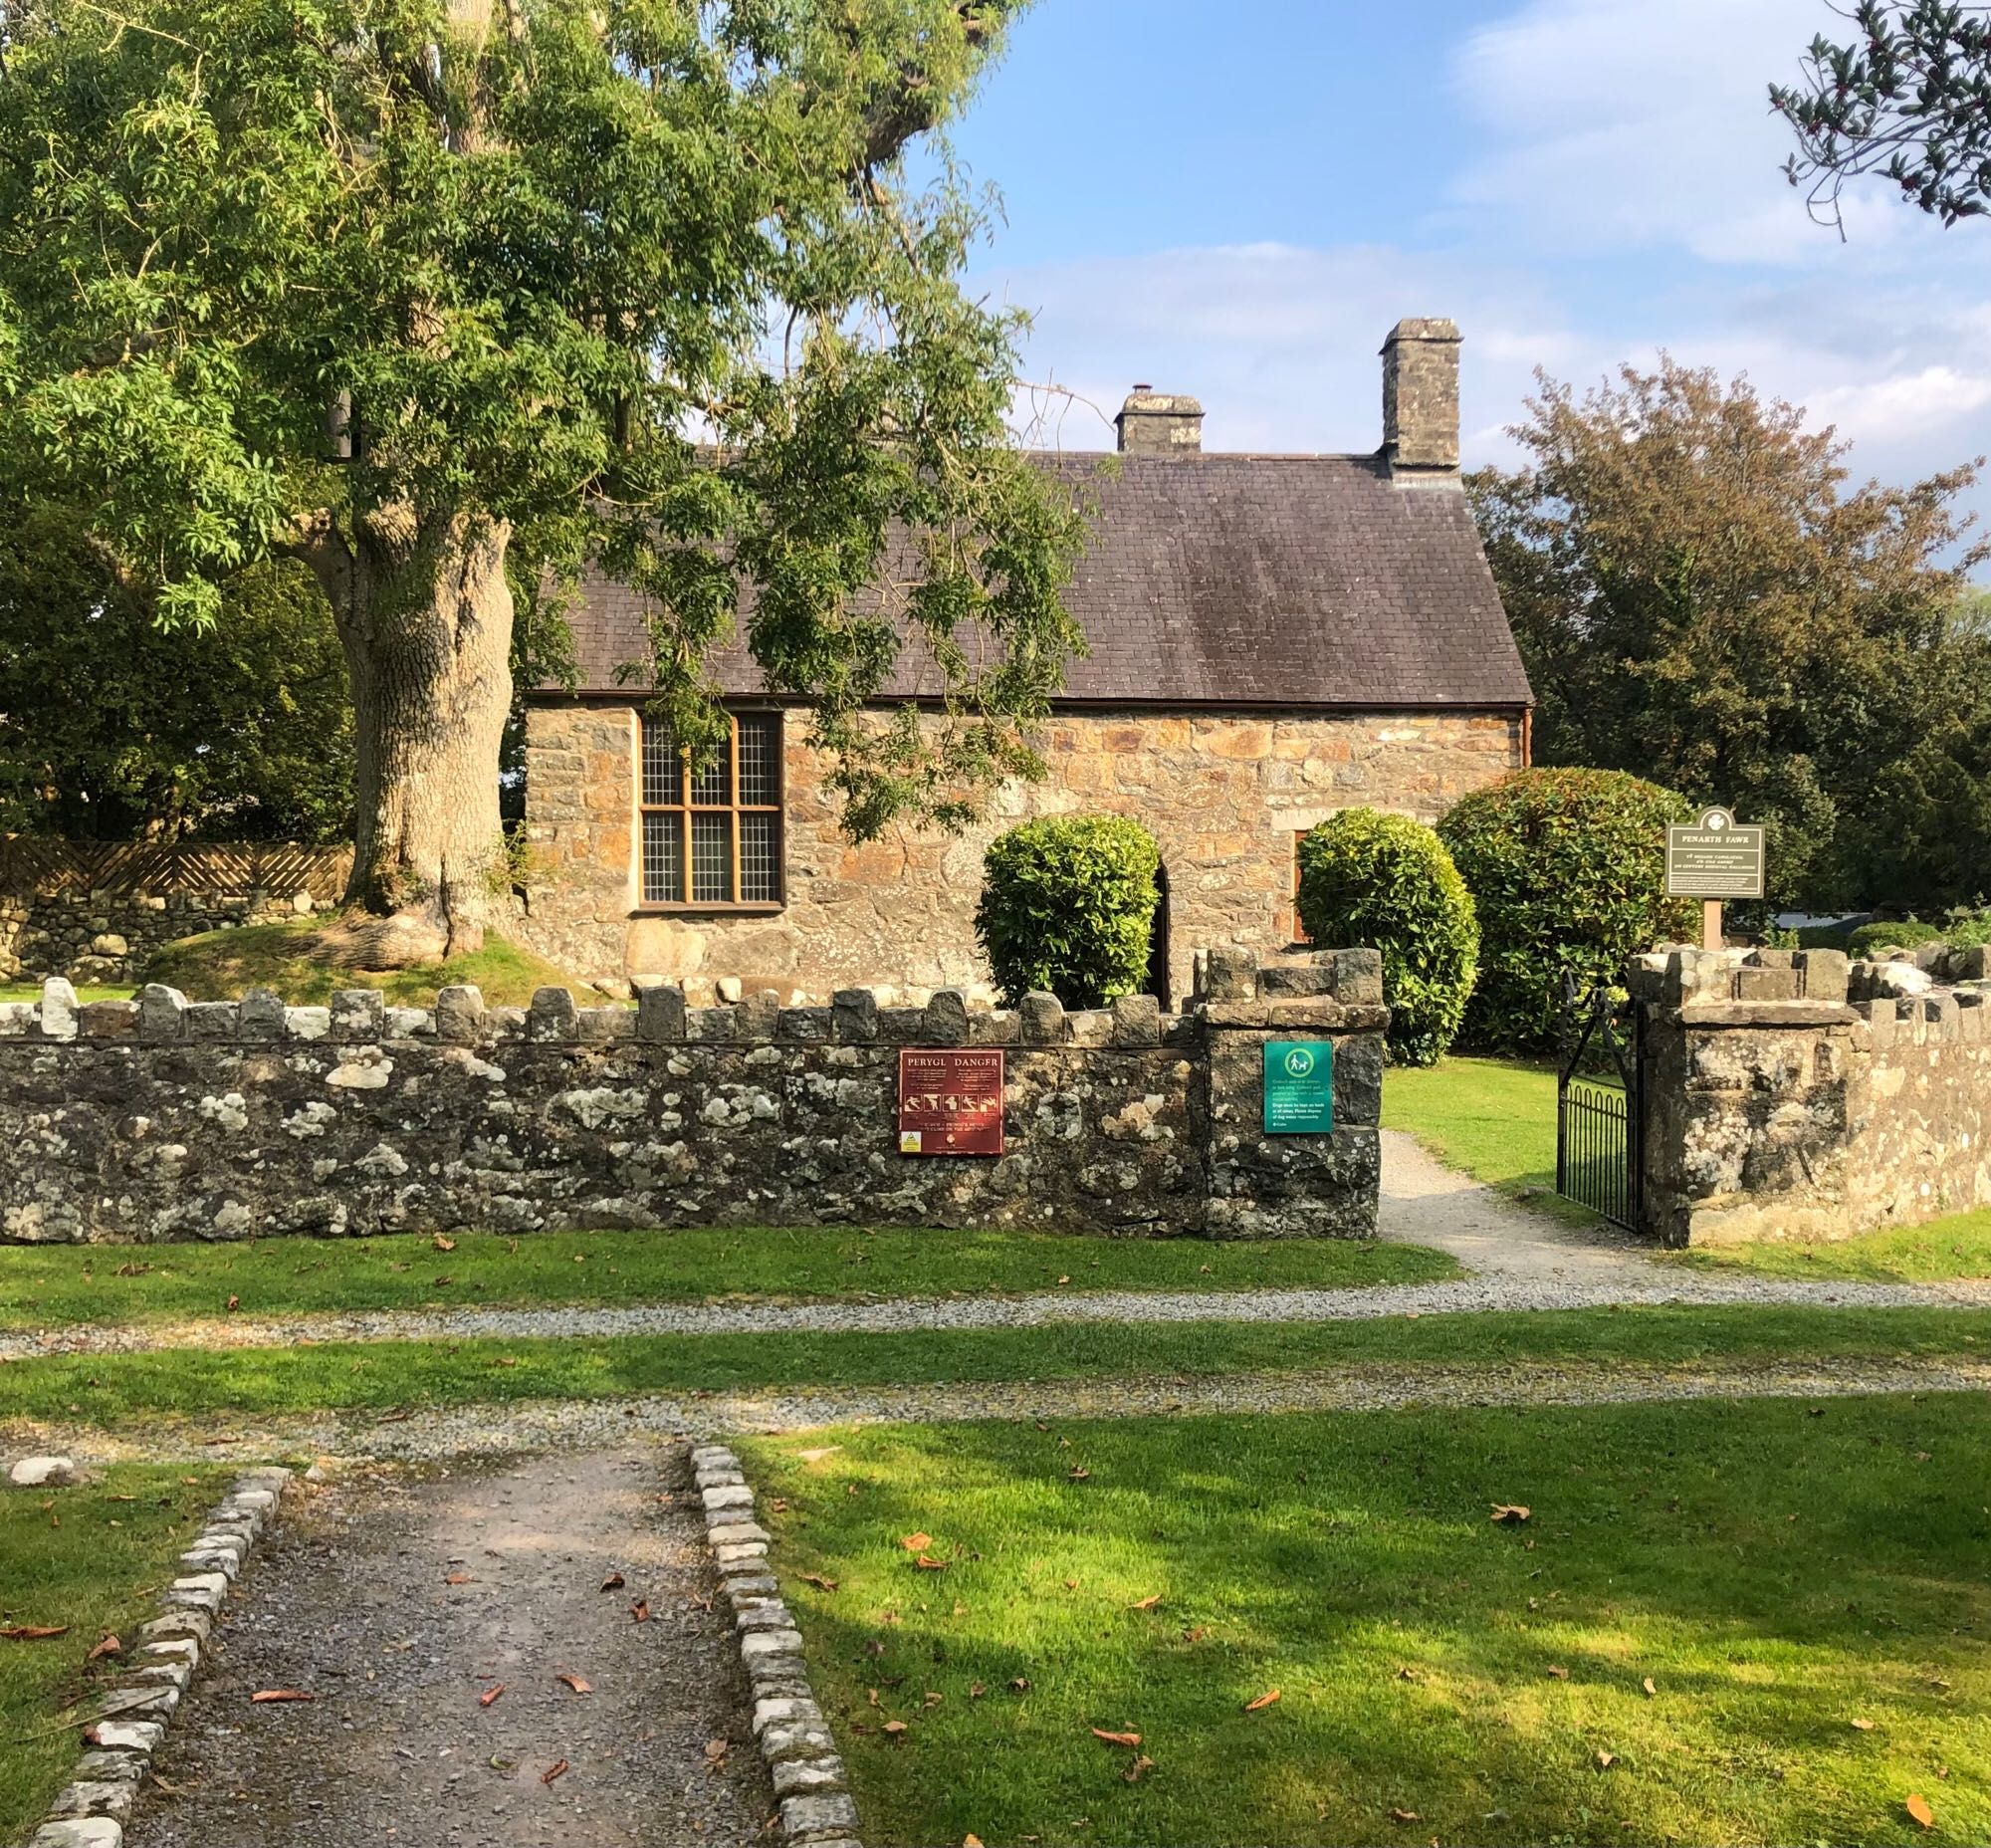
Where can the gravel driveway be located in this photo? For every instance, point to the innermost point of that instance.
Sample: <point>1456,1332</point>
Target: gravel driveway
<point>351,1600</point>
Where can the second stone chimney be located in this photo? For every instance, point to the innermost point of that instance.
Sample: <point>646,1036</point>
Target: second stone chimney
<point>1420,397</point>
<point>1157,423</point>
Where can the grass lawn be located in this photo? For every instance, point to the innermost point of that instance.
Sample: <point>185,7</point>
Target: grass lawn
<point>47,1286</point>
<point>126,1390</point>
<point>32,992</point>
<point>1941,1249</point>
<point>90,1557</point>
<point>1723,1622</point>
<point>1493,1118</point>
<point>219,963</point>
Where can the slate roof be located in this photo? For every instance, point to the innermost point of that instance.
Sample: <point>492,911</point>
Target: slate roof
<point>1233,579</point>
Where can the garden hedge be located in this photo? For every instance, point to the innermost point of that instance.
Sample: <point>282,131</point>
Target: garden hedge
<point>1899,933</point>
<point>1369,880</point>
<point>1068,905</point>
<point>1567,869</point>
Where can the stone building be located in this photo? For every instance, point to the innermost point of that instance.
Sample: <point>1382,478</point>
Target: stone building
<point>1272,637</point>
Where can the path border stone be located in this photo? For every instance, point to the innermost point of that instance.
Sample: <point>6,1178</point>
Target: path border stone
<point>809,1777</point>
<point>91,1810</point>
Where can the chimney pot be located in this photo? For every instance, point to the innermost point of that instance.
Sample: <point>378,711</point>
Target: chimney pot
<point>1420,397</point>
<point>1159,423</point>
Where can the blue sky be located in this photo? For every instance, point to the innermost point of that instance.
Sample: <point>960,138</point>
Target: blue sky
<point>1237,199</point>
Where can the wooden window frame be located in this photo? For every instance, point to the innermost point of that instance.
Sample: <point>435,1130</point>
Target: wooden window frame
<point>734,808</point>
<point>1300,940</point>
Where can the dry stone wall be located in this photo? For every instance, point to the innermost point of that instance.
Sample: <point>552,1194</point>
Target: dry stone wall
<point>160,1119</point>
<point>107,937</point>
<point>1792,1096</point>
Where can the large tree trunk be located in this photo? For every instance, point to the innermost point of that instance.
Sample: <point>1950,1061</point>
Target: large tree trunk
<point>426,617</point>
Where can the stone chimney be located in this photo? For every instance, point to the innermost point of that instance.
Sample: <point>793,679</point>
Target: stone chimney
<point>1420,397</point>
<point>1155,423</point>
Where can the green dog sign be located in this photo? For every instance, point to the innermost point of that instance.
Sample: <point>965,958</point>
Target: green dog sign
<point>1299,1088</point>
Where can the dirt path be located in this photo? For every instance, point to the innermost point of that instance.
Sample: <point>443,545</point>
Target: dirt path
<point>351,1601</point>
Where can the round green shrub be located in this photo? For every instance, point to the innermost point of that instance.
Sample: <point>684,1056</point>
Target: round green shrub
<point>1068,905</point>
<point>1902,934</point>
<point>1385,882</point>
<point>1569,871</point>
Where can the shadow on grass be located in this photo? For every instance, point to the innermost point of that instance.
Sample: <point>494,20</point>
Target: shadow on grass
<point>1776,1575</point>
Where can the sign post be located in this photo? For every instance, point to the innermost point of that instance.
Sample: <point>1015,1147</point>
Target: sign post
<point>1713,859</point>
<point>1299,1088</point>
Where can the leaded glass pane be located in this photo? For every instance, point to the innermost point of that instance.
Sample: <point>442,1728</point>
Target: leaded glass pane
<point>760,856</point>
<point>663,765</point>
<point>712,787</point>
<point>757,760</point>
<point>663,859</point>
<point>711,859</point>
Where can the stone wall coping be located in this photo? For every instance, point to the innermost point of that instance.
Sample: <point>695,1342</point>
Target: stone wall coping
<point>1331,991</point>
<point>1796,1014</point>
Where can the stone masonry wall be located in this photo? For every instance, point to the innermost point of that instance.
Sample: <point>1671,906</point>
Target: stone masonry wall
<point>159,1120</point>
<point>1788,1095</point>
<point>104,937</point>
<point>1224,794</point>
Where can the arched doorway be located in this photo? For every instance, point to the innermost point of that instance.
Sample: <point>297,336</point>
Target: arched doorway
<point>1157,941</point>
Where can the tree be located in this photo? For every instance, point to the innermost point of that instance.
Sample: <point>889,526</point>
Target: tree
<point>109,727</point>
<point>1907,96</point>
<point>1702,599</point>
<point>446,299</point>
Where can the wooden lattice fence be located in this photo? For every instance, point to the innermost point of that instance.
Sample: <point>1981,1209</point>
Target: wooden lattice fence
<point>39,866</point>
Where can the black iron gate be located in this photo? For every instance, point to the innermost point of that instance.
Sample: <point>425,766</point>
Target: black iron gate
<point>1596,1105</point>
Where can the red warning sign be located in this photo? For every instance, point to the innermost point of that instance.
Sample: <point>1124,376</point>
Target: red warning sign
<point>950,1102</point>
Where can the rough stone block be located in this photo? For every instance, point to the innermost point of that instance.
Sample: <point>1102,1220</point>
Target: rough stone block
<point>729,1494</point>
<point>660,1013</point>
<point>1358,1078</point>
<point>80,1832</point>
<point>213,1019</point>
<point>1230,974</point>
<point>136,1735</point>
<point>1940,1012</point>
<point>161,1012</point>
<point>459,1014</point>
<point>813,1817</point>
<point>807,1777</point>
<point>902,1026</point>
<point>1297,980</point>
<point>776,1712</point>
<point>1358,976</point>
<point>1766,982</point>
<point>359,1015</point>
<point>1973,964</point>
<point>306,1023</point>
<point>710,1026</point>
<point>736,1534</point>
<point>57,1008</point>
<point>1090,1027</point>
<point>1042,1017</point>
<point>805,1026</point>
<point>854,1014</point>
<point>260,1016</point>
<point>1769,959</point>
<point>108,1020</point>
<point>1823,974</point>
<point>785,1739</point>
<point>1137,1020</point>
<point>995,1026</point>
<point>946,1019</point>
<point>768,1643</point>
<point>605,1025</point>
<point>552,1015</point>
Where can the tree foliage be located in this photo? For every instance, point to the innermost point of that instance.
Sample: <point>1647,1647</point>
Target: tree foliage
<point>1068,907</point>
<point>1701,598</point>
<point>425,293</point>
<point>1567,873</point>
<point>110,728</point>
<point>1906,96</point>
<point>1385,882</point>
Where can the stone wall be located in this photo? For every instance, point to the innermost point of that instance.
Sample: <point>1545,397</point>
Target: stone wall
<point>1788,1095</point>
<point>106,937</point>
<point>156,1119</point>
<point>1224,794</point>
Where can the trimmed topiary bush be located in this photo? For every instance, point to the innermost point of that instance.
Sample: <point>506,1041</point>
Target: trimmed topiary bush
<point>1902,933</point>
<point>1068,905</point>
<point>1369,880</point>
<point>1569,871</point>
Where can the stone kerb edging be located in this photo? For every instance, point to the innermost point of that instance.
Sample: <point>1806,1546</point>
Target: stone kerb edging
<point>794,1736</point>
<point>91,1810</point>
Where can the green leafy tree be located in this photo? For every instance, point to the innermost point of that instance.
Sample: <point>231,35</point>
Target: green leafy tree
<point>1068,907</point>
<point>1701,598</point>
<point>112,728</point>
<point>1906,96</point>
<point>1372,879</point>
<point>440,299</point>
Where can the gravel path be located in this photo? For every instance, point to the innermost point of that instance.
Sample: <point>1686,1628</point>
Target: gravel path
<point>350,1601</point>
<point>1520,1260</point>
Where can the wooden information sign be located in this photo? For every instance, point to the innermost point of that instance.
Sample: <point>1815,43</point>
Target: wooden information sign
<point>950,1101</point>
<point>1299,1088</point>
<point>1714,858</point>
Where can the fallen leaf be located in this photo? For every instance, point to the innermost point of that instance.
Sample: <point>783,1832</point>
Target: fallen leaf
<point>265,1697</point>
<point>458,1578</point>
<point>1078,1473</point>
<point>715,1749</point>
<point>1264,1700</point>
<point>1918,1807</point>
<point>975,1690</point>
<point>871,1695</point>
<point>613,1583</point>
<point>1647,1684</point>
<point>32,1632</point>
<point>818,1581</point>
<point>1404,1815</point>
<point>971,1840</point>
<point>505,1360</point>
<point>108,1646</point>
<point>1195,1635</point>
<point>916,1543</point>
<point>1146,1604</point>
<point>443,1244</point>
<point>579,1683</point>
<point>234,1302</point>
<point>927,1564</point>
<point>1064,1279</point>
<point>1558,1671</point>
<point>640,1610</point>
<point>1861,1726</point>
<point>932,1699</point>
<point>1513,1513</point>
<point>1071,1585</point>
<point>555,1769</point>
<point>1116,1739</point>
<point>1132,1775</point>
<point>894,1728</point>
<point>1606,1760</point>
<point>1021,1684</point>
<point>491,1693</point>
